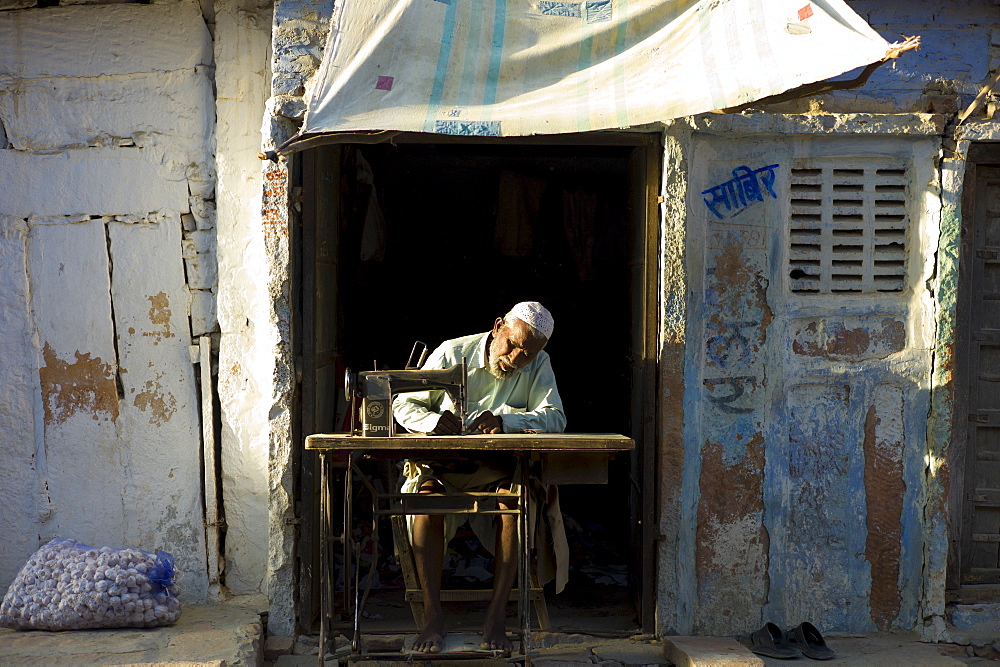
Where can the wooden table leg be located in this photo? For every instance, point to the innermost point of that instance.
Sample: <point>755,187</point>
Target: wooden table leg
<point>325,587</point>
<point>351,559</point>
<point>523,564</point>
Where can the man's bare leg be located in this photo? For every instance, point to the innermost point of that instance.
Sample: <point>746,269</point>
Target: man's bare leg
<point>494,629</point>
<point>428,556</point>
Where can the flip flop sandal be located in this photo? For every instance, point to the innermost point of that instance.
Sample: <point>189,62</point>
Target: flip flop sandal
<point>806,638</point>
<point>769,641</point>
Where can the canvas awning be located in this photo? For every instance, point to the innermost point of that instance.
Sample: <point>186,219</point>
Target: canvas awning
<point>520,67</point>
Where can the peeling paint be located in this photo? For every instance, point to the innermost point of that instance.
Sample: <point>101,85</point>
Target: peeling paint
<point>159,316</point>
<point>86,385</point>
<point>161,404</point>
<point>850,339</point>
<point>732,540</point>
<point>740,284</point>
<point>159,311</point>
<point>884,489</point>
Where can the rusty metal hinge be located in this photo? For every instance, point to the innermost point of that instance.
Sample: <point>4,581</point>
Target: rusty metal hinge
<point>980,419</point>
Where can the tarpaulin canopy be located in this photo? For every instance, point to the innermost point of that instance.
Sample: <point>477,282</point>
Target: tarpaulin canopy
<point>521,67</point>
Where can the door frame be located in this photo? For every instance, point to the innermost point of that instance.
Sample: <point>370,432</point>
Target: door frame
<point>645,178</point>
<point>960,508</point>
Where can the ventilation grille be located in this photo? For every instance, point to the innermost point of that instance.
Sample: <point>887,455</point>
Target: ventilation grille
<point>848,227</point>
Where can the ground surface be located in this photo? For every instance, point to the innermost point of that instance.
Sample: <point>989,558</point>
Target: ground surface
<point>204,635</point>
<point>219,635</point>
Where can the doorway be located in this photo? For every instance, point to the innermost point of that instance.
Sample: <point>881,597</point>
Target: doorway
<point>416,240</point>
<point>974,556</point>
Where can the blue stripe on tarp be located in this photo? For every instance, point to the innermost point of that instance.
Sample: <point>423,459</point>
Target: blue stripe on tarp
<point>468,128</point>
<point>441,72</point>
<point>582,85</point>
<point>620,34</point>
<point>496,51</point>
<point>470,62</point>
<point>708,56</point>
<point>764,52</point>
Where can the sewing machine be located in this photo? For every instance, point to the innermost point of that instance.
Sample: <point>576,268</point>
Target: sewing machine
<point>376,389</point>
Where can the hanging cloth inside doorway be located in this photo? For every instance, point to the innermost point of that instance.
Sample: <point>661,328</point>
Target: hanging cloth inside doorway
<point>519,205</point>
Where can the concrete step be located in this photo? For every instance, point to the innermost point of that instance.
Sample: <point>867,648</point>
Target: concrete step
<point>206,634</point>
<point>709,652</point>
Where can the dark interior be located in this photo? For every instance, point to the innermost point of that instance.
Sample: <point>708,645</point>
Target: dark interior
<point>437,240</point>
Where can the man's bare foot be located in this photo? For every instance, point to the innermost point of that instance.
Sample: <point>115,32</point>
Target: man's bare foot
<point>495,637</point>
<point>431,639</point>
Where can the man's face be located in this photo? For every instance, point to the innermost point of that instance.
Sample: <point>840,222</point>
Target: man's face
<point>512,348</point>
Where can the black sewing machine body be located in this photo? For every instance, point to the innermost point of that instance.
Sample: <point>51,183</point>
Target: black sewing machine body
<point>376,389</point>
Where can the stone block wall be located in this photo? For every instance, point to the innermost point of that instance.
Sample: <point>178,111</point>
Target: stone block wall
<point>107,234</point>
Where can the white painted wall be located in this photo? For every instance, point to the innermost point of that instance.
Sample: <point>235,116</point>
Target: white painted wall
<point>23,504</point>
<point>248,340</point>
<point>113,130</point>
<point>131,223</point>
<point>108,161</point>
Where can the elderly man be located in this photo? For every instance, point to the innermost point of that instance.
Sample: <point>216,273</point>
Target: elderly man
<point>511,389</point>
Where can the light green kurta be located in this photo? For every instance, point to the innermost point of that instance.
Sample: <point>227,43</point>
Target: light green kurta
<point>528,401</point>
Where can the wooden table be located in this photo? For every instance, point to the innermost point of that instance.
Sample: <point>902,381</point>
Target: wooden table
<point>524,446</point>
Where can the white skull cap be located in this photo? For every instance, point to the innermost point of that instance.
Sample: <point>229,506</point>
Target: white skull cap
<point>536,315</point>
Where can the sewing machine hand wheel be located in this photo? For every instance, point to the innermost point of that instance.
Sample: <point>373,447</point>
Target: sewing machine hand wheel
<point>350,389</point>
<point>350,385</point>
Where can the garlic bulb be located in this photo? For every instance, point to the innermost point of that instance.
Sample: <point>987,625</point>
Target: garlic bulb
<point>66,585</point>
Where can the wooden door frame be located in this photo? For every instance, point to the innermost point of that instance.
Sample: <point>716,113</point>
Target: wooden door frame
<point>645,163</point>
<point>985,154</point>
<point>306,236</point>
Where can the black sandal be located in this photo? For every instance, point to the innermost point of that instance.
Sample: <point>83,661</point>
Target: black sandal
<point>769,641</point>
<point>806,638</point>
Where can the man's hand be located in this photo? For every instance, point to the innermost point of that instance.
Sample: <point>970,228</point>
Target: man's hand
<point>487,422</point>
<point>448,424</point>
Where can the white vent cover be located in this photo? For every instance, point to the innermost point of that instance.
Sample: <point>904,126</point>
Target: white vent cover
<point>848,226</point>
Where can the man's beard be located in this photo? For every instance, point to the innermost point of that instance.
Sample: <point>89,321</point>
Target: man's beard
<point>494,364</point>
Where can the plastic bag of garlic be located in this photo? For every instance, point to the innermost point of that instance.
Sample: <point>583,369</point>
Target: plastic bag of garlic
<point>67,585</point>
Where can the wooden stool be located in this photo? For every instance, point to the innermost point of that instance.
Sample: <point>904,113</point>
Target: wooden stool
<point>404,553</point>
